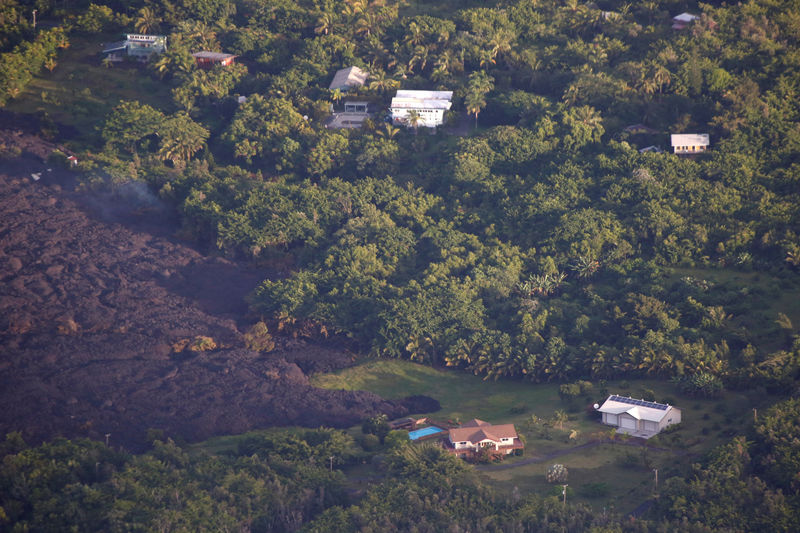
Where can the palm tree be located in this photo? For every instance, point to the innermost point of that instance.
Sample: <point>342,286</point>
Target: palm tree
<point>388,131</point>
<point>336,95</point>
<point>147,21</point>
<point>486,58</point>
<point>480,83</point>
<point>366,24</point>
<point>474,102</point>
<point>181,137</point>
<point>585,266</point>
<point>381,83</point>
<point>501,42</point>
<point>414,37</point>
<point>324,24</point>
<point>201,34</point>
<point>413,119</point>
<point>420,58</point>
<point>661,77</point>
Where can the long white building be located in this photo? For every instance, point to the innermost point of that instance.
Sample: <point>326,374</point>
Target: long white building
<point>429,105</point>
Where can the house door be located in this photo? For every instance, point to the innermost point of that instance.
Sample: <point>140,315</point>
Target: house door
<point>627,423</point>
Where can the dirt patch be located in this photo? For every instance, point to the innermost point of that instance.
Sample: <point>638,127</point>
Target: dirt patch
<point>92,303</point>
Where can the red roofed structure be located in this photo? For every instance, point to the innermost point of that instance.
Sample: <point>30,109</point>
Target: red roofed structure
<point>471,437</point>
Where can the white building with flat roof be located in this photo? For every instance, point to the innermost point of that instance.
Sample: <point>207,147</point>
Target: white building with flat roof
<point>429,105</point>
<point>689,143</point>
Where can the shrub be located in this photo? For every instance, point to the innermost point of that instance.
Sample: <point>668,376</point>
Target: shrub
<point>594,490</point>
<point>569,391</point>
<point>586,386</point>
<point>201,343</point>
<point>258,339</point>
<point>701,384</point>
<point>518,409</point>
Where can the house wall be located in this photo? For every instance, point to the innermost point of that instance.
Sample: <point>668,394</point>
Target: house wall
<point>673,417</point>
<point>690,149</point>
<point>626,421</point>
<point>429,118</point>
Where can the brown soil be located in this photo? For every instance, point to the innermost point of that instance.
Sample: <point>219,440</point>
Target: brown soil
<point>94,293</point>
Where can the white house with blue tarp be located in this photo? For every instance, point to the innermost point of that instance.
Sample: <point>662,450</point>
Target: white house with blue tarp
<point>137,46</point>
<point>639,418</point>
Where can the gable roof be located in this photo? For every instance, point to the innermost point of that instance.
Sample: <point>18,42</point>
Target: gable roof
<point>685,17</point>
<point>348,77</point>
<point>485,431</point>
<point>638,409</point>
<point>475,423</point>
<point>689,139</point>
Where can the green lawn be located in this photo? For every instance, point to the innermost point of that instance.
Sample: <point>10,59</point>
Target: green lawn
<point>464,396</point>
<point>626,472</point>
<point>622,476</point>
<point>80,91</point>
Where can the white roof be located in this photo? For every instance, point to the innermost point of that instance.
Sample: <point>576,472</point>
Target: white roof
<point>422,100</point>
<point>214,56</point>
<point>348,77</point>
<point>689,139</point>
<point>425,95</point>
<point>638,409</point>
<point>685,17</point>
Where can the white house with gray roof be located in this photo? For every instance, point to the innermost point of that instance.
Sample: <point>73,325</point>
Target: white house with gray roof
<point>689,143</point>
<point>638,418</point>
<point>429,105</point>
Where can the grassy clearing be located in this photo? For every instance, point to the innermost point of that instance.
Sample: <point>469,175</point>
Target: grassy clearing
<point>607,475</point>
<point>623,469</point>
<point>80,91</point>
<point>707,422</point>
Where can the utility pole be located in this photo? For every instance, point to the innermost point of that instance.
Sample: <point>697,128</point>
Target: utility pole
<point>331,458</point>
<point>107,435</point>
<point>655,470</point>
<point>564,493</point>
<point>755,415</point>
<point>34,19</point>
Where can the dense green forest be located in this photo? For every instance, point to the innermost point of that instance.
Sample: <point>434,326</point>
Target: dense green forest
<point>529,237</point>
<point>540,244</point>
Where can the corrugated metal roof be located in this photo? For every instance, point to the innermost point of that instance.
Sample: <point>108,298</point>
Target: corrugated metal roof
<point>214,56</point>
<point>114,47</point>
<point>348,77</point>
<point>689,139</point>
<point>425,95</point>
<point>685,17</point>
<point>639,409</point>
